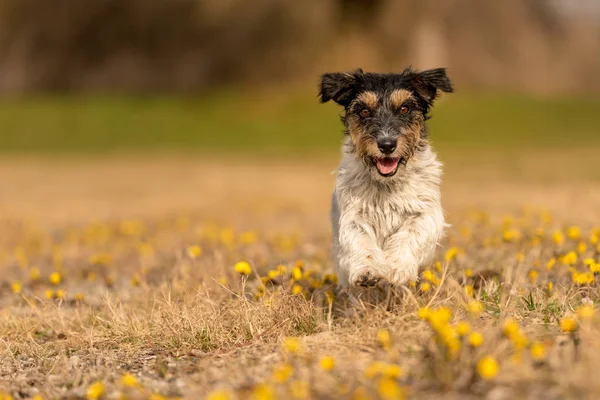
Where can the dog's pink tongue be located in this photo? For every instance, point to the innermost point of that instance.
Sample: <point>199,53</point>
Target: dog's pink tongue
<point>387,165</point>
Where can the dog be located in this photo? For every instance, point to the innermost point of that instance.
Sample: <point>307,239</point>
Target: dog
<point>386,212</point>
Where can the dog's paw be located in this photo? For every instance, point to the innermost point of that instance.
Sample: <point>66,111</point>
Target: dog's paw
<point>366,279</point>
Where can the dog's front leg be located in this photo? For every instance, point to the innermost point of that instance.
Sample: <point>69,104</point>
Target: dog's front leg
<point>360,260</point>
<point>413,245</point>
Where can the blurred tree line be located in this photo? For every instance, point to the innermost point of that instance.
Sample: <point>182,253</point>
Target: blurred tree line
<point>192,45</point>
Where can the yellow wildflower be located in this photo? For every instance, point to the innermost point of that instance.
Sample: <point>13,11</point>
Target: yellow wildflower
<point>128,380</point>
<point>568,325</point>
<point>425,287</point>
<point>511,328</point>
<point>49,293</point>
<point>581,247</point>
<point>34,274</point>
<point>248,237</point>
<point>384,338</point>
<point>296,289</point>
<point>424,312</point>
<point>55,278</point>
<point>549,286</point>
<point>558,238</point>
<point>390,389</point>
<point>16,287</point>
<point>263,391</point>
<point>243,268</point>
<point>585,278</point>
<point>532,275</point>
<point>538,351</point>
<point>595,267</point>
<point>551,263</point>
<point>194,251</point>
<point>475,339</point>
<point>469,290</point>
<point>468,272</point>
<point>291,345</point>
<point>570,258</point>
<point>327,363</point>
<point>95,390</point>
<point>60,294</point>
<point>451,254</point>
<point>219,394</point>
<point>374,369</point>
<point>463,328</point>
<point>573,232</point>
<point>297,273</point>
<point>282,373</point>
<point>475,307</point>
<point>487,367</point>
<point>586,312</point>
<point>393,371</point>
<point>520,257</point>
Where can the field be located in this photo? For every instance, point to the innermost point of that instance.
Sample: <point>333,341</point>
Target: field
<point>121,273</point>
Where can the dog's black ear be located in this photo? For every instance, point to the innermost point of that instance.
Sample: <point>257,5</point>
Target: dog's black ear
<point>339,86</point>
<point>428,83</point>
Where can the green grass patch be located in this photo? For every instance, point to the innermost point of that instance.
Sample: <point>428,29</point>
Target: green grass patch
<point>294,124</point>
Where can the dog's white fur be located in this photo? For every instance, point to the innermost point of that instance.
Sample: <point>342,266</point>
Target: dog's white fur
<point>386,227</point>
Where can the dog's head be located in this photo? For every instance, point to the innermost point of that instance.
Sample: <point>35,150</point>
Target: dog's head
<point>385,114</point>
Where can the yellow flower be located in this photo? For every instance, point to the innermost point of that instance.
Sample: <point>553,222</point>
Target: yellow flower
<point>390,389</point>
<point>424,312</point>
<point>573,232</point>
<point>469,290</point>
<point>475,307</point>
<point>475,339</point>
<point>595,268</point>
<point>34,274</point>
<point>219,394</point>
<point>570,258</point>
<point>263,391</point>
<point>581,247</point>
<point>586,312</point>
<point>329,297</point>
<point>551,263</point>
<point>157,396</point>
<point>440,317</point>
<point>451,254</point>
<point>511,328</point>
<point>568,325</point>
<point>586,278</point>
<point>374,369</point>
<point>296,289</point>
<point>558,238</point>
<point>549,286</point>
<point>5,396</point>
<point>425,287</point>
<point>49,293</point>
<point>429,276</point>
<point>487,367</point>
<point>520,257</point>
<point>299,389</point>
<point>594,238</point>
<point>248,237</point>
<point>297,273</point>
<point>533,274</point>
<point>79,297</point>
<point>194,251</point>
<point>538,351</point>
<point>95,391</point>
<point>283,373</point>
<point>438,266</point>
<point>55,278</point>
<point>392,371</point>
<point>60,294</point>
<point>361,393</point>
<point>129,380</point>
<point>16,287</point>
<point>327,363</point>
<point>468,272</point>
<point>243,268</point>
<point>384,338</point>
<point>463,328</point>
<point>291,345</point>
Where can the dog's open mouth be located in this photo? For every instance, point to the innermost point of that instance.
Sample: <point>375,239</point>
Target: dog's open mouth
<point>388,166</point>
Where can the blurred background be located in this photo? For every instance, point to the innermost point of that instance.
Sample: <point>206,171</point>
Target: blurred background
<point>219,82</point>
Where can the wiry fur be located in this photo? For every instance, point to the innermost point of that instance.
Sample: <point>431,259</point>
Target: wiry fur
<point>386,226</point>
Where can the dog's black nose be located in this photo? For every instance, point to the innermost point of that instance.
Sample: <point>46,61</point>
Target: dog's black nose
<point>387,146</point>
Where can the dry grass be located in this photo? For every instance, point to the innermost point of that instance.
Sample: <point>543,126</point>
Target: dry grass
<point>139,298</point>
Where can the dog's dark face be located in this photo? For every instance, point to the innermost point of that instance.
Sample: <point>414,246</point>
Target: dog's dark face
<point>385,114</point>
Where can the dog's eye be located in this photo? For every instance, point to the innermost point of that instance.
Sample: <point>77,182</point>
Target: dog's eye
<point>404,110</point>
<point>365,113</point>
